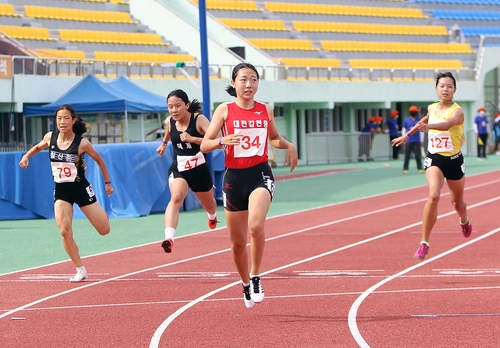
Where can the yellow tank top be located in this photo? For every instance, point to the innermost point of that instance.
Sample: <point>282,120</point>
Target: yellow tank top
<point>438,140</point>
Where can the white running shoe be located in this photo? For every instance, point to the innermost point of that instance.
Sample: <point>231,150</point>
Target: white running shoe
<point>81,274</point>
<point>246,296</point>
<point>256,290</point>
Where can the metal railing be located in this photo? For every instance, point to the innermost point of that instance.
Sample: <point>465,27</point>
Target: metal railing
<point>111,68</point>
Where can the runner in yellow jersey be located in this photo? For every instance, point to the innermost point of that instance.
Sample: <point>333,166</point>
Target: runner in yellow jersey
<point>445,124</point>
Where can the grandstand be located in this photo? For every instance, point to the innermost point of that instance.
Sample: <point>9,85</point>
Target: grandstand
<point>326,65</point>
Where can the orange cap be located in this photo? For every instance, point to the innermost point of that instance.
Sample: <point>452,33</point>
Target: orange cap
<point>481,108</point>
<point>394,113</point>
<point>413,108</point>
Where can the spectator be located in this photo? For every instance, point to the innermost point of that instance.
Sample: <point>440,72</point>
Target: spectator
<point>391,127</point>
<point>482,129</point>
<point>366,138</point>
<point>414,142</point>
<point>496,130</point>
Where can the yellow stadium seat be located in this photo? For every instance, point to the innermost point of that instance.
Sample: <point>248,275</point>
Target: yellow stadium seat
<point>27,33</point>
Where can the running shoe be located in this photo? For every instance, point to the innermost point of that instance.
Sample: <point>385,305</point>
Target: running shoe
<point>421,171</point>
<point>256,290</point>
<point>466,229</point>
<point>212,223</point>
<point>246,296</point>
<point>405,171</point>
<point>167,245</point>
<point>81,274</point>
<point>423,249</point>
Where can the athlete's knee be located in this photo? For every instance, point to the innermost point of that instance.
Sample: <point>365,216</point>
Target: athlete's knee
<point>104,230</point>
<point>434,198</point>
<point>458,205</point>
<point>256,229</point>
<point>66,233</point>
<point>177,198</point>
<point>238,248</point>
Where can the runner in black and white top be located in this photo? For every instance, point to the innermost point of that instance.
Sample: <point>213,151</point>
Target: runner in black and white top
<point>67,148</point>
<point>185,128</point>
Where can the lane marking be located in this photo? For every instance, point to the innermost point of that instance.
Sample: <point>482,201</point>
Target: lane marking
<point>491,182</point>
<point>352,316</point>
<point>457,315</point>
<point>155,340</point>
<point>177,313</point>
<point>238,299</point>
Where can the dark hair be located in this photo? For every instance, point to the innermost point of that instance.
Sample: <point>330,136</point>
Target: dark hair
<point>446,74</point>
<point>194,105</point>
<point>230,89</point>
<point>79,127</point>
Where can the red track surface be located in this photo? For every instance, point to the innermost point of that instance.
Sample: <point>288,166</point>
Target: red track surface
<point>337,276</point>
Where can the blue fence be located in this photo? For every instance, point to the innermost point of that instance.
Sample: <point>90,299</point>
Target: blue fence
<point>139,176</point>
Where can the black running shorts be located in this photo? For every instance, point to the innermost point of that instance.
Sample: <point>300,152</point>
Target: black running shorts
<point>81,193</point>
<point>453,167</point>
<point>238,184</point>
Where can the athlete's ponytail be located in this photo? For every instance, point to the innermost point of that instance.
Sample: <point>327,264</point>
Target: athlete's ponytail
<point>79,127</point>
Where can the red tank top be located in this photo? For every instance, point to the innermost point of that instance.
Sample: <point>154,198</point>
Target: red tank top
<point>254,125</point>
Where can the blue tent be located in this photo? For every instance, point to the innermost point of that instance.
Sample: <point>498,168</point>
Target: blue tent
<point>92,95</point>
<point>133,92</point>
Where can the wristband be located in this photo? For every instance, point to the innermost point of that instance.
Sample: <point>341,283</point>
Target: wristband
<point>164,142</point>
<point>407,135</point>
<point>220,140</point>
<point>107,183</point>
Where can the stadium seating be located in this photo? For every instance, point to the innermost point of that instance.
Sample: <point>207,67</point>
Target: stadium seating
<point>144,57</point>
<point>77,14</point>
<point>380,29</point>
<point>58,54</point>
<point>467,15</point>
<point>312,62</point>
<point>111,37</point>
<point>8,10</point>
<point>27,33</point>
<point>254,24</point>
<point>384,46</point>
<point>238,5</point>
<point>456,2</point>
<point>344,10</point>
<point>406,64</point>
<point>283,44</point>
<point>478,31</point>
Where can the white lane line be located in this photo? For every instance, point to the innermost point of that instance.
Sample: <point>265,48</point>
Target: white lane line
<point>155,340</point>
<point>238,299</point>
<point>492,182</point>
<point>352,316</point>
<point>223,251</point>
<point>177,313</point>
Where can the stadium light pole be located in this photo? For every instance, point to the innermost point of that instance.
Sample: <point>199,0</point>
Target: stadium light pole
<point>205,72</point>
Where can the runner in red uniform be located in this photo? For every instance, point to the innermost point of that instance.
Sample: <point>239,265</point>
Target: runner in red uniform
<point>248,186</point>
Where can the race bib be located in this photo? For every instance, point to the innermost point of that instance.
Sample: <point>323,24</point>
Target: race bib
<point>252,143</point>
<point>63,172</point>
<point>189,162</point>
<point>440,142</point>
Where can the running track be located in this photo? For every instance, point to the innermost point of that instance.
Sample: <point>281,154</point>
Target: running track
<point>336,276</point>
